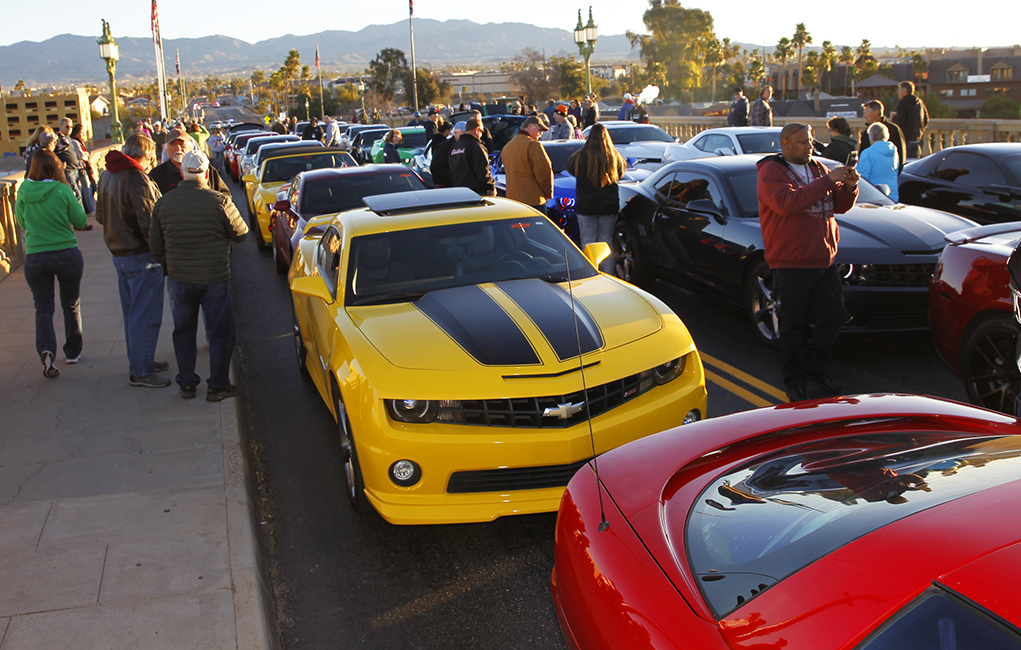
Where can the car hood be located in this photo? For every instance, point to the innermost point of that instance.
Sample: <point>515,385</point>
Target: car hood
<point>518,323</point>
<point>637,151</point>
<point>896,230</point>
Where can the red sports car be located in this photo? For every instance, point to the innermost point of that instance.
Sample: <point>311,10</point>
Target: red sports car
<point>970,313</point>
<point>880,522</point>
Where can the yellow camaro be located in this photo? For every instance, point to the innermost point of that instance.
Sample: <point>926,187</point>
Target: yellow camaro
<point>262,186</point>
<point>466,346</point>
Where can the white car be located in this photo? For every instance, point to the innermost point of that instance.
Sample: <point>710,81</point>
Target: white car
<point>726,141</point>
<point>641,144</point>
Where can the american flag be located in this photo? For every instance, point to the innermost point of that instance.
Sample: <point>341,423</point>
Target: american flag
<point>411,6</point>
<point>177,61</point>
<point>317,56</point>
<point>155,23</point>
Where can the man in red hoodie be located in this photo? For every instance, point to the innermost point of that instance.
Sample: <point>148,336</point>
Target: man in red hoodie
<point>798,197</point>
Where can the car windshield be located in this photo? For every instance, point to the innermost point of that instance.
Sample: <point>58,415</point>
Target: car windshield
<point>284,169</point>
<point>413,140</point>
<point>761,522</point>
<point>637,133</point>
<point>559,154</point>
<point>745,188</point>
<point>768,142</point>
<point>404,265</point>
<point>369,137</point>
<point>345,192</point>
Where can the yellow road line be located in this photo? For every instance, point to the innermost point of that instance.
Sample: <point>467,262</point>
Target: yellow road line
<point>745,377</point>
<point>747,395</point>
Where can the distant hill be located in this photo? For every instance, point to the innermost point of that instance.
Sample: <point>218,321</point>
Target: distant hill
<point>69,59</point>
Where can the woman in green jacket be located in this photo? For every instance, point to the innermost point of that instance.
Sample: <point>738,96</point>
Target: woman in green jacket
<point>48,211</point>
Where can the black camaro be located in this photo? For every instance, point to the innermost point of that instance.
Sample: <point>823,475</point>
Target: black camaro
<point>978,181</point>
<point>696,223</point>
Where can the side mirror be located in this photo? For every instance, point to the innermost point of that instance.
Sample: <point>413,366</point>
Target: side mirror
<point>312,286</point>
<point>705,206</point>
<point>281,206</point>
<point>884,188</point>
<point>723,151</point>
<point>596,252</point>
<point>248,178</point>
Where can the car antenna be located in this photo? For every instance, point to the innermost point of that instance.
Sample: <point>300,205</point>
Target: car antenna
<point>603,524</point>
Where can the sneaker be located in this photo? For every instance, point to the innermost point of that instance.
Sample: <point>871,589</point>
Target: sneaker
<point>149,381</point>
<point>161,366</point>
<point>218,394</point>
<point>49,368</point>
<point>187,391</point>
<point>826,381</point>
<point>797,393</point>
<point>75,360</point>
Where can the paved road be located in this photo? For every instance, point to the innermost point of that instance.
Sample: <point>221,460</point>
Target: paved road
<point>345,581</point>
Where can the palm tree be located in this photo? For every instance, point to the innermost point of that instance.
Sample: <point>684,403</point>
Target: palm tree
<point>829,55</point>
<point>865,49</point>
<point>847,58</point>
<point>783,52</point>
<point>714,57</point>
<point>800,40</point>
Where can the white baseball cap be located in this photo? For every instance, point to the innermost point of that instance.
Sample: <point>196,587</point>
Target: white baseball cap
<point>195,162</point>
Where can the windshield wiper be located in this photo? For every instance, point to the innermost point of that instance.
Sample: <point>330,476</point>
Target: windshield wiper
<point>401,296</point>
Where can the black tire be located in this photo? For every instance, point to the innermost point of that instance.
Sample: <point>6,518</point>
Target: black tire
<point>627,261</point>
<point>282,268</point>
<point>761,304</point>
<point>299,346</point>
<point>989,365</point>
<point>349,457</point>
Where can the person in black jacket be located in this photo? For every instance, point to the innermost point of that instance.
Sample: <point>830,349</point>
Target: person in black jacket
<point>597,167</point>
<point>168,175</point>
<point>841,143</point>
<point>313,131</point>
<point>390,143</point>
<point>873,113</point>
<point>469,161</point>
<point>440,165</point>
<point>911,116</point>
<point>738,109</point>
<point>590,115</point>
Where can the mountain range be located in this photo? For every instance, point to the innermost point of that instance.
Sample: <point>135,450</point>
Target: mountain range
<point>68,59</point>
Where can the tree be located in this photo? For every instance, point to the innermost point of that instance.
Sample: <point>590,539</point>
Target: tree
<point>756,71</point>
<point>826,60</point>
<point>713,58</point>
<point>530,76</point>
<point>865,49</point>
<point>389,70</point>
<point>847,58</point>
<point>20,85</point>
<point>800,40</point>
<point>782,53</point>
<point>918,65</point>
<point>999,107</point>
<point>429,89</point>
<point>677,40</point>
<point>568,74</point>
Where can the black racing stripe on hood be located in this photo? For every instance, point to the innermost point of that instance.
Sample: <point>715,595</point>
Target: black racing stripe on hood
<point>549,307</point>
<point>480,326</point>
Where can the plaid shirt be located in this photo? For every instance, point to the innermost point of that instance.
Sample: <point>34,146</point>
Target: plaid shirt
<point>761,114</point>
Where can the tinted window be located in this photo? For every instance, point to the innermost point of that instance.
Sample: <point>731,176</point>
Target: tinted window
<point>969,170</point>
<point>329,258</point>
<point>758,524</point>
<point>760,142</point>
<point>702,143</point>
<point>629,134</point>
<point>689,186</point>
<point>717,141</point>
<point>341,193</point>
<point>938,621</point>
<point>413,139</point>
<point>401,265</point>
<point>559,155</point>
<point>664,186</point>
<point>1013,167</point>
<point>284,169</point>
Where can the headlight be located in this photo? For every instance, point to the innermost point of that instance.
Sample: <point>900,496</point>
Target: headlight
<point>668,371</point>
<point>411,410</point>
<point>857,273</point>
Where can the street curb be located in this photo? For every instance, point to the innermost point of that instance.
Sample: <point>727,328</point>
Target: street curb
<point>254,620</point>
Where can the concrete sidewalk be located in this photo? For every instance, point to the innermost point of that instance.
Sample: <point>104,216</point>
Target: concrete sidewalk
<point>125,521</point>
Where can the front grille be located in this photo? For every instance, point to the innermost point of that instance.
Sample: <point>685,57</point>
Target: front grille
<point>903,275</point>
<point>527,412</point>
<point>897,320</point>
<point>516,478</point>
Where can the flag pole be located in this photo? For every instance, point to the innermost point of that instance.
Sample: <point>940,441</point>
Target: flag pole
<point>322,103</point>
<point>161,78</point>
<point>414,70</point>
<point>180,83</point>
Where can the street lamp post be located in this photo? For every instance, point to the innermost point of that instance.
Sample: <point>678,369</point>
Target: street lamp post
<point>307,118</point>
<point>361,93</point>
<point>585,36</point>
<point>108,51</point>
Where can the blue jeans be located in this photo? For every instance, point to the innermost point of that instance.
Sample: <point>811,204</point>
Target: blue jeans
<point>66,266</point>
<point>217,306</point>
<point>593,228</point>
<point>140,280</point>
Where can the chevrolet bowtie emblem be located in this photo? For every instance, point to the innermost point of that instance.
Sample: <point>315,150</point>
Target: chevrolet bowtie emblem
<point>563,411</point>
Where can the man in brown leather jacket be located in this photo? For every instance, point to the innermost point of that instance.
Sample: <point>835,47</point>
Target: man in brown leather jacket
<point>124,207</point>
<point>528,168</point>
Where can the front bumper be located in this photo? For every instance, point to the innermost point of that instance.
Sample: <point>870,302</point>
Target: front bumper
<point>443,450</point>
<point>885,309</point>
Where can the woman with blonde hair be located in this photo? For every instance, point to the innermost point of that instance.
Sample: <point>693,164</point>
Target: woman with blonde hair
<point>597,167</point>
<point>48,210</point>
<point>39,140</point>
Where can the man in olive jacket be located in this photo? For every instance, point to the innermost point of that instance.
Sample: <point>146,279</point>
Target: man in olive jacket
<point>528,168</point>
<point>191,234</point>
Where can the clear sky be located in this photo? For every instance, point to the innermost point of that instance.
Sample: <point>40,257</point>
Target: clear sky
<point>910,25</point>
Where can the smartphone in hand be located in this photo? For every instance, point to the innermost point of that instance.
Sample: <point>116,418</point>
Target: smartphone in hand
<point>852,159</point>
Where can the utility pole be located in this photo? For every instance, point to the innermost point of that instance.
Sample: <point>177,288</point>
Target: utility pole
<point>414,70</point>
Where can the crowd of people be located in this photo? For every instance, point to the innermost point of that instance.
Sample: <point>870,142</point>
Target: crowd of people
<point>168,221</point>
